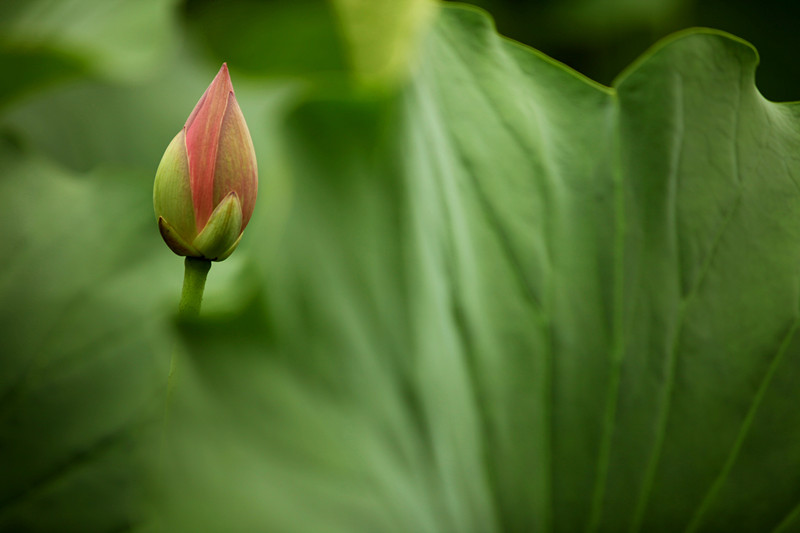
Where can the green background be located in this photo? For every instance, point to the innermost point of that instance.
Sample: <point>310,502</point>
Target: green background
<point>480,292</point>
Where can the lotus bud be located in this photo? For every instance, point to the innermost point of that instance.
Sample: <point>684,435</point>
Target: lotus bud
<point>206,183</point>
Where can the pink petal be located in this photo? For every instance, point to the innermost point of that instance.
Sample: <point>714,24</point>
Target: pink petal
<point>202,138</point>
<point>235,169</point>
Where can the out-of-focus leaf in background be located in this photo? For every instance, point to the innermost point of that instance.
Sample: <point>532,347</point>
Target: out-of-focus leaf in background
<point>479,293</point>
<point>271,38</point>
<point>84,339</point>
<point>381,36</point>
<point>601,37</point>
<point>42,41</point>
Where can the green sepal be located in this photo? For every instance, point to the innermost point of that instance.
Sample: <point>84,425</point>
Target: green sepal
<point>175,242</point>
<point>222,231</point>
<point>230,250</point>
<point>172,193</point>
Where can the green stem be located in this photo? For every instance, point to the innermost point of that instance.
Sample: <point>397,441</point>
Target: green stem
<point>194,281</point>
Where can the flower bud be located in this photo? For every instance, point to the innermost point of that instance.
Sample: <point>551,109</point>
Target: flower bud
<point>206,183</point>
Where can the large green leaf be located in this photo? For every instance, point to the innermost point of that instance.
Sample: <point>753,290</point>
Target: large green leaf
<point>522,302</point>
<point>499,297</point>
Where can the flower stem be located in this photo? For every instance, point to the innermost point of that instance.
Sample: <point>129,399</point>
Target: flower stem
<point>194,281</point>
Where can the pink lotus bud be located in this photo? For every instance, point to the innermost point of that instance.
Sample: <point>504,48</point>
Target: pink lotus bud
<point>206,183</point>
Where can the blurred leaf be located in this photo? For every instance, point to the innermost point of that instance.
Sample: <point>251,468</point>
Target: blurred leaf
<point>29,69</point>
<point>501,298</point>
<point>383,35</point>
<point>83,346</point>
<point>594,18</point>
<point>122,39</point>
<point>269,37</point>
<point>83,124</point>
<point>376,40</point>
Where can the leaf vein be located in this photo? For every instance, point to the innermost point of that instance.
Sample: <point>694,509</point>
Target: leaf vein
<point>60,470</point>
<point>505,241</point>
<point>782,526</point>
<point>747,424</point>
<point>671,364</point>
